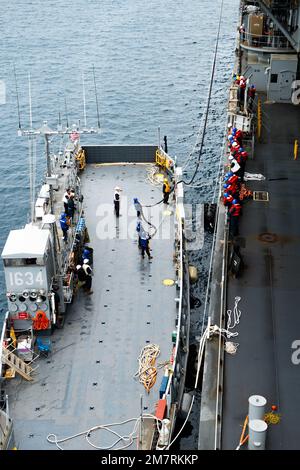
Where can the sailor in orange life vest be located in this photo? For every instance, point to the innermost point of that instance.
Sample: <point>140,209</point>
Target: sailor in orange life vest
<point>235,212</point>
<point>166,190</point>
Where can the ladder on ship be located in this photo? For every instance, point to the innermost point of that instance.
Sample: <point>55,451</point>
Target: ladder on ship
<point>16,364</point>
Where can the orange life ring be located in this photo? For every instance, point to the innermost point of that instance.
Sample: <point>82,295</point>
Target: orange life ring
<point>40,321</point>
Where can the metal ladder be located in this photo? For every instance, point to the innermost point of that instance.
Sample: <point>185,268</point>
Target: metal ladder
<point>17,364</point>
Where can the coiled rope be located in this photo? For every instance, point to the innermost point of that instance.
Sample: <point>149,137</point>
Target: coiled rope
<point>147,372</point>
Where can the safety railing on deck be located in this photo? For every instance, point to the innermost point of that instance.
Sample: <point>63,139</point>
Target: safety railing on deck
<point>265,41</point>
<point>181,327</point>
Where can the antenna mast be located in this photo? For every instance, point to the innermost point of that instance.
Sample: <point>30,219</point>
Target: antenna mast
<point>18,102</point>
<point>96,96</point>
<point>84,102</point>
<point>66,111</point>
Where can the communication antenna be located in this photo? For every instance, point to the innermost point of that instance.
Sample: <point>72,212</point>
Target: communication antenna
<point>32,153</point>
<point>18,102</point>
<point>84,101</point>
<point>66,111</point>
<point>30,100</point>
<point>96,96</point>
<point>59,121</point>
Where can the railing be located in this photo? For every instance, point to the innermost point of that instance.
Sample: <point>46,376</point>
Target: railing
<point>69,289</point>
<point>265,41</point>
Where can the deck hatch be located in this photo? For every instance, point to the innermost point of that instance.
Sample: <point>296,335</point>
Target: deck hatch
<point>261,196</point>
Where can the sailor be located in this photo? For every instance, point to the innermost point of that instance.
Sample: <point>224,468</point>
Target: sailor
<point>166,190</point>
<point>87,254</point>
<point>242,31</point>
<point>227,199</point>
<point>64,225</point>
<point>251,97</point>
<point>241,91</point>
<point>235,212</point>
<point>117,197</point>
<point>88,273</point>
<point>140,229</point>
<point>137,206</point>
<point>65,199</point>
<point>233,179</point>
<point>144,238</point>
<point>239,137</point>
<point>71,205</point>
<point>81,276</point>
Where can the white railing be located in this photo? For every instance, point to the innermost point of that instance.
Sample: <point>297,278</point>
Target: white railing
<point>265,41</point>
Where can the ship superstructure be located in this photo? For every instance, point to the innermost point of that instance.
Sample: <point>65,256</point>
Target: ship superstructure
<point>251,378</point>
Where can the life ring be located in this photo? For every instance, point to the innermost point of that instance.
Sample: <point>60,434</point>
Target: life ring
<point>40,321</point>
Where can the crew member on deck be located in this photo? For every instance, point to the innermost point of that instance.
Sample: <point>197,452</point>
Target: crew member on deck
<point>166,190</point>
<point>117,198</point>
<point>64,225</point>
<point>88,272</point>
<point>235,212</point>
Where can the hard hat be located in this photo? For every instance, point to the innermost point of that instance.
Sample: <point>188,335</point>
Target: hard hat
<point>226,186</point>
<point>117,188</point>
<point>230,157</point>
<point>241,149</point>
<point>252,86</point>
<point>225,194</point>
<point>78,266</point>
<point>235,201</point>
<point>234,130</point>
<point>135,200</point>
<point>86,261</point>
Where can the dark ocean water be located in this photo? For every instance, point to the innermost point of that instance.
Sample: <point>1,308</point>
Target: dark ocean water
<point>152,61</point>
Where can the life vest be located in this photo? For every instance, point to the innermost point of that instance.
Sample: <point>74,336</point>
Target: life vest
<point>235,210</point>
<point>233,180</point>
<point>40,321</point>
<point>227,200</point>
<point>167,188</point>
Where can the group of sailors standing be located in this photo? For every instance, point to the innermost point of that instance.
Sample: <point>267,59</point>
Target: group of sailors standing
<point>234,178</point>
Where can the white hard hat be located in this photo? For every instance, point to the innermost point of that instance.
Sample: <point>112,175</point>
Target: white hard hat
<point>86,261</point>
<point>78,266</point>
<point>230,157</point>
<point>117,188</point>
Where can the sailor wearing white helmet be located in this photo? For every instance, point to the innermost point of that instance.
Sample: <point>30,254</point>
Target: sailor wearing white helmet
<point>117,197</point>
<point>88,276</point>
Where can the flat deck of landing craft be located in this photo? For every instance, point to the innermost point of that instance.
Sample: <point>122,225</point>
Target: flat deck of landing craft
<point>88,379</point>
<point>269,289</point>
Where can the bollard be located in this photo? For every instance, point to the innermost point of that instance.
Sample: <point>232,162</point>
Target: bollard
<point>257,434</point>
<point>257,405</point>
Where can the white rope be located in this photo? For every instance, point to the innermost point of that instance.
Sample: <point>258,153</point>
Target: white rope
<point>231,348</point>
<point>127,439</point>
<point>254,176</point>
<point>232,322</point>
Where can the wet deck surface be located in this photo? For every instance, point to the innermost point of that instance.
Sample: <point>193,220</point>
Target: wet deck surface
<point>88,379</point>
<point>269,289</point>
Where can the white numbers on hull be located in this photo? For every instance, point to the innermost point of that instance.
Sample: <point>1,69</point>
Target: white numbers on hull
<point>19,279</point>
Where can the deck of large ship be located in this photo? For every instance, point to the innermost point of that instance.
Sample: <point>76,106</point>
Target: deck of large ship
<point>88,380</point>
<point>269,289</point>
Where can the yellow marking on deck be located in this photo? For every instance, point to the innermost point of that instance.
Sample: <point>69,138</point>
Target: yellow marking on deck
<point>168,282</point>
